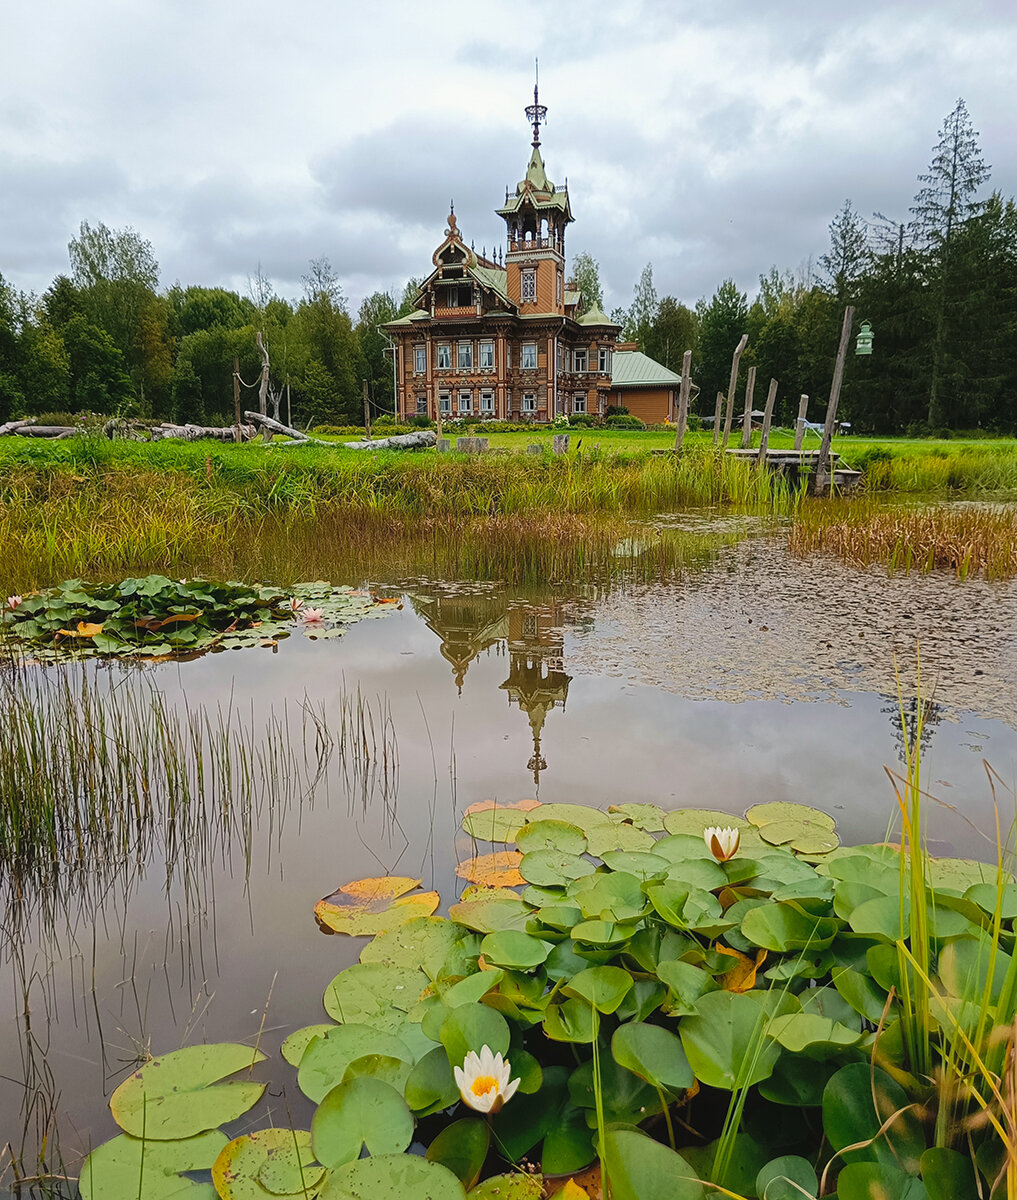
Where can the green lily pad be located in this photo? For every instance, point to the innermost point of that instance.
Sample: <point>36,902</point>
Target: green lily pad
<point>787,1178</point>
<point>583,816</point>
<point>783,810</point>
<point>796,1031</point>
<point>642,1169</point>
<point>293,1047</point>
<point>425,943</point>
<point>255,1165</point>
<point>150,1170</point>
<point>179,1094</point>
<point>374,994</point>
<point>724,1040</point>
<point>604,838</point>
<point>551,835</point>
<point>462,1147</point>
<point>496,824</point>
<point>653,1053</point>
<point>515,950</point>
<point>472,1027</point>
<point>328,1057</point>
<point>517,1186</point>
<point>644,816</point>
<point>360,1112</point>
<point>696,820</point>
<point>393,1177</point>
<point>431,1086</point>
<point>604,987</point>
<point>641,863</point>
<point>488,914</point>
<point>551,867</point>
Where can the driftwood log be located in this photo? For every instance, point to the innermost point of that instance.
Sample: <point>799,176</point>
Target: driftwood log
<point>197,433</point>
<point>420,440</point>
<point>22,429</point>
<point>270,426</point>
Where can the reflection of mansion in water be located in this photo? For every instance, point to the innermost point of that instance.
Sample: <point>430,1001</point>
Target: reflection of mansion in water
<point>532,634</point>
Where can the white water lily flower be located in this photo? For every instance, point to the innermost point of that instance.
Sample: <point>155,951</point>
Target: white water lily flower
<point>483,1080</point>
<point>722,843</point>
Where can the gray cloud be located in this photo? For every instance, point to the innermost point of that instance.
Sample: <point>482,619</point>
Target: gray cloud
<point>713,140</point>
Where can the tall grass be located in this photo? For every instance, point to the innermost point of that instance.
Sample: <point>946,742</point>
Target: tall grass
<point>966,539</point>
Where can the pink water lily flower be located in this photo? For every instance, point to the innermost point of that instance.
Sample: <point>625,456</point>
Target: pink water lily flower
<point>312,616</point>
<point>296,604</point>
<point>14,601</point>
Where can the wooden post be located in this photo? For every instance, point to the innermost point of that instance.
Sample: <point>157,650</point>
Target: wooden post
<point>266,433</point>
<point>803,408</point>
<point>771,396</point>
<point>683,399</point>
<point>750,391</point>
<point>289,410</point>
<point>736,359</point>
<point>367,415</point>
<point>236,394</point>
<point>819,483</point>
<point>716,418</point>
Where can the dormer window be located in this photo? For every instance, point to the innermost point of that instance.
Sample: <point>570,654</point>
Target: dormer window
<point>529,285</point>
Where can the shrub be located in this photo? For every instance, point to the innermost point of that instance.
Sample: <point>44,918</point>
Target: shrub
<point>421,421</point>
<point>342,431</point>
<point>624,422</point>
<point>616,410</point>
<point>583,421</point>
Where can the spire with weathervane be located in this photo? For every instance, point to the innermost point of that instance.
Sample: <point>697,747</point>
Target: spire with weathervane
<point>535,217</point>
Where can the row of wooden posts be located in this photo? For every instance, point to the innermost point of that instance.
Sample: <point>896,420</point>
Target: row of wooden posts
<point>823,459</point>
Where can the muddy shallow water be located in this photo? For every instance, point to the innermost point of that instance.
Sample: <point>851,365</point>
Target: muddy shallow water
<point>748,677</point>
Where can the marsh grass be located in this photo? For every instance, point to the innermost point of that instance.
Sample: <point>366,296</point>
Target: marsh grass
<point>966,539</point>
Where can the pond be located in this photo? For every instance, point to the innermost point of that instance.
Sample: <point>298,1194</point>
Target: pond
<point>740,677</point>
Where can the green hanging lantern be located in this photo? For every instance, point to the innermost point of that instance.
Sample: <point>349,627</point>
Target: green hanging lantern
<point>864,343</point>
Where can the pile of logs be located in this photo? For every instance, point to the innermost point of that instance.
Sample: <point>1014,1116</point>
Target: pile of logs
<point>138,431</point>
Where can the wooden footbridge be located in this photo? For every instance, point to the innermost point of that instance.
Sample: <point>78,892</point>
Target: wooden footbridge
<point>798,465</point>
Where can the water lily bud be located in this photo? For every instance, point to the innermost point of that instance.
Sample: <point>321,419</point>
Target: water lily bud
<point>722,843</point>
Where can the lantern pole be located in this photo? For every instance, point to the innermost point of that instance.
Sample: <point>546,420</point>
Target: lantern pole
<point>819,482</point>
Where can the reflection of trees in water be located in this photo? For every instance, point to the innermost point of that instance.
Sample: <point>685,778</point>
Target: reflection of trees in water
<point>904,721</point>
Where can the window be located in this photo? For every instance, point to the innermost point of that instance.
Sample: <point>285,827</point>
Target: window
<point>422,406</point>
<point>560,356</point>
<point>579,360</point>
<point>462,297</point>
<point>579,402</point>
<point>487,354</point>
<point>444,356</point>
<point>604,360</point>
<point>528,360</point>
<point>419,360</point>
<point>529,286</point>
<point>465,356</point>
<point>445,401</point>
<point>529,402</point>
<point>465,401</point>
<point>557,287</point>
<point>508,355</point>
<point>487,401</point>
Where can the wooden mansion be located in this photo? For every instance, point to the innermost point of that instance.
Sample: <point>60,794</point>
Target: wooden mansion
<point>501,338</point>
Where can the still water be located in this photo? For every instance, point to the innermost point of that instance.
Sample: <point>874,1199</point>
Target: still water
<point>743,678</point>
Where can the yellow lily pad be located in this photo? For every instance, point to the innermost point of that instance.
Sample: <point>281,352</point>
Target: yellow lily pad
<point>366,907</point>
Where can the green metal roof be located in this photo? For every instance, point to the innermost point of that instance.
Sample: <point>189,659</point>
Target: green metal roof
<point>632,368</point>
<point>572,297</point>
<point>494,278</point>
<point>418,314</point>
<point>537,189</point>
<point>597,316</point>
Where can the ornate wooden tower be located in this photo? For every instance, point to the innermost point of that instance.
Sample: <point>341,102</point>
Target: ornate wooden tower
<point>536,217</point>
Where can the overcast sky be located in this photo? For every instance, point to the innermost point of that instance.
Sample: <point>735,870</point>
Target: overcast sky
<point>712,138</point>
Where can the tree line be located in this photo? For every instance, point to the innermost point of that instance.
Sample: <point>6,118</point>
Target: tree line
<point>939,288</point>
<point>105,339</point>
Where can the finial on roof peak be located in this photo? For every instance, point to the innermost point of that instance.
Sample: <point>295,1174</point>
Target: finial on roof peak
<point>452,217</point>
<point>536,112</point>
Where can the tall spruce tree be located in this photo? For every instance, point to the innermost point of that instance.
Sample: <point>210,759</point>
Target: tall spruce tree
<point>942,210</point>
<point>846,259</point>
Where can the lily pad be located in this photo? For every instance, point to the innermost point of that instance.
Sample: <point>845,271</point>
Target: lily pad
<point>495,824</point>
<point>551,835</point>
<point>550,867</point>
<point>393,1177</point>
<point>293,1047</point>
<point>360,1113</point>
<point>328,1057</point>
<point>252,1166</point>
<point>500,869</point>
<point>462,1147</point>
<point>783,810</point>
<point>654,1054</point>
<point>150,1170</point>
<point>374,994</point>
<point>513,949</point>
<point>584,816</point>
<point>486,914</point>
<point>425,943</point>
<point>517,1186</point>
<point>603,987</point>
<point>179,1094</point>
<point>370,906</point>
<point>696,820</point>
<point>644,816</point>
<point>604,838</point>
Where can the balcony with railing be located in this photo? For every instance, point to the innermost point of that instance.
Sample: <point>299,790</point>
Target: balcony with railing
<point>443,312</point>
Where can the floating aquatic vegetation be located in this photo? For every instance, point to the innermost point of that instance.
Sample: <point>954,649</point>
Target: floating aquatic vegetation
<point>159,618</point>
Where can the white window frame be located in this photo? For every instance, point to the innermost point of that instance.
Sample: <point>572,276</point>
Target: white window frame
<point>421,406</point>
<point>529,402</point>
<point>528,350</point>
<point>444,356</point>
<point>579,402</point>
<point>487,400</point>
<point>528,285</point>
<point>445,402</point>
<point>486,352</point>
<point>464,401</point>
<point>604,360</point>
<point>580,360</point>
<point>419,360</point>
<point>557,287</point>
<point>464,356</point>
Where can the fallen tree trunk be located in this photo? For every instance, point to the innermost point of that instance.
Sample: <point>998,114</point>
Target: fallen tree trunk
<point>41,431</point>
<point>278,427</point>
<point>197,433</point>
<point>401,441</point>
<point>11,427</point>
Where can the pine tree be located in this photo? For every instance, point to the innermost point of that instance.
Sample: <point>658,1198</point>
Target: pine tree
<point>845,261</point>
<point>942,209</point>
<point>643,311</point>
<point>721,323</point>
